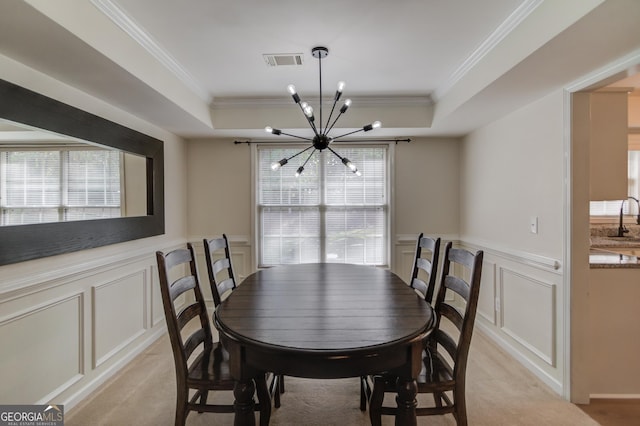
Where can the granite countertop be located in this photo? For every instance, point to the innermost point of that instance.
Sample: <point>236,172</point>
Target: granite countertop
<point>614,252</point>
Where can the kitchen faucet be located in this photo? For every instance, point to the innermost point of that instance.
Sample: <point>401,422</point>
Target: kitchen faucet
<point>621,228</point>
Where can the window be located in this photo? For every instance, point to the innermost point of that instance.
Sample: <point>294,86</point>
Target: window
<point>328,214</point>
<point>612,208</point>
<point>40,186</point>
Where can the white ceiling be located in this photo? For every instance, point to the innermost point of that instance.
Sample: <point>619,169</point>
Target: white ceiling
<point>425,67</point>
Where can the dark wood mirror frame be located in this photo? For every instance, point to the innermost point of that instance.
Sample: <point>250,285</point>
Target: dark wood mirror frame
<point>25,242</point>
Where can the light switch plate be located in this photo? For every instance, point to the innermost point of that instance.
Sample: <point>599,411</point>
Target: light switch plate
<point>533,224</point>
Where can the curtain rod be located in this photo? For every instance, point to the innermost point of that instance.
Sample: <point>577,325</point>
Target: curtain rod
<point>340,141</point>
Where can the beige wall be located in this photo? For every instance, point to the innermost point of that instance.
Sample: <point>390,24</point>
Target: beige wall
<point>425,191</point>
<point>69,322</point>
<point>512,171</point>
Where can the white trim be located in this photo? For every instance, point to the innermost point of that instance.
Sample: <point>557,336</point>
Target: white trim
<point>554,384</point>
<point>113,369</point>
<point>490,43</point>
<point>32,283</point>
<point>368,101</point>
<point>142,37</point>
<point>567,214</point>
<point>621,64</point>
<point>411,238</point>
<point>535,260</point>
<point>615,396</point>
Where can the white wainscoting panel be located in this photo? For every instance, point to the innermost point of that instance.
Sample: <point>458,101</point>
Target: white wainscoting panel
<point>157,310</point>
<point>41,351</point>
<point>528,313</point>
<point>119,314</point>
<point>487,298</point>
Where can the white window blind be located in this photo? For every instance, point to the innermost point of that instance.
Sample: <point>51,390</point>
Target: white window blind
<point>328,214</point>
<point>612,208</point>
<point>58,185</point>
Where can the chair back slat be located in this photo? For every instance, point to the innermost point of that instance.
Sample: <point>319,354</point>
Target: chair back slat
<point>458,285</point>
<point>187,314</point>
<point>425,264</point>
<point>452,314</point>
<point>182,262</point>
<point>193,341</point>
<point>217,263</point>
<point>181,285</point>
<point>459,263</point>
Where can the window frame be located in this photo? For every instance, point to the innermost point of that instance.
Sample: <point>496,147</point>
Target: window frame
<point>255,211</point>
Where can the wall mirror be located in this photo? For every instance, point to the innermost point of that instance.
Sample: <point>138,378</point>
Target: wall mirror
<point>70,180</point>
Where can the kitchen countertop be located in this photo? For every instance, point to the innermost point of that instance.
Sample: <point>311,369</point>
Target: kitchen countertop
<point>612,252</point>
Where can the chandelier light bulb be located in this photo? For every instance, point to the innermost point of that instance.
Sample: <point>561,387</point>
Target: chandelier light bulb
<point>278,164</point>
<point>341,85</point>
<point>349,164</point>
<point>273,131</point>
<point>308,110</point>
<point>377,124</point>
<point>299,171</point>
<point>345,106</point>
<point>292,89</point>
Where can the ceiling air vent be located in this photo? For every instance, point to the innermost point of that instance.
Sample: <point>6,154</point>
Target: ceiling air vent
<point>282,59</point>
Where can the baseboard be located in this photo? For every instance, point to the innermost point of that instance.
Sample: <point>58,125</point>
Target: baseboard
<point>553,383</point>
<point>91,386</point>
<point>614,396</point>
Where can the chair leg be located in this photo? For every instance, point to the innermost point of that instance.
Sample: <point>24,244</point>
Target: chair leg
<point>274,390</point>
<point>460,408</point>
<point>264,399</point>
<point>203,398</point>
<point>375,403</point>
<point>281,383</point>
<point>363,394</point>
<point>181,409</point>
<point>437,399</point>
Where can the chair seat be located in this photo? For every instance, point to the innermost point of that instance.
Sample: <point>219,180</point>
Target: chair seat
<point>211,370</point>
<point>435,375</point>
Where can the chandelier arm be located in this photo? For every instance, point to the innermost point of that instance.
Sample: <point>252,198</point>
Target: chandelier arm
<point>311,123</point>
<point>350,133</point>
<point>327,127</point>
<point>335,153</point>
<point>296,136</point>
<point>334,123</point>
<point>304,150</point>
<point>309,157</point>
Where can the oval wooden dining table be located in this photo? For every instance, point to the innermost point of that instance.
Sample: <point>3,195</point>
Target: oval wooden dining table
<point>324,321</point>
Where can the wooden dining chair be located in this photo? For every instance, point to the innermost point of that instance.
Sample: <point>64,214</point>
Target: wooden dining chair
<point>220,268</point>
<point>423,280</point>
<point>447,349</point>
<point>201,364</point>
<point>222,280</point>
<point>425,266</point>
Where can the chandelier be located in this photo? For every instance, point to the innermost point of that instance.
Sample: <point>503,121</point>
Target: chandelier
<point>321,139</point>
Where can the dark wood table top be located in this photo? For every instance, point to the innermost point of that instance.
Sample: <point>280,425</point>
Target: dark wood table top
<point>324,309</point>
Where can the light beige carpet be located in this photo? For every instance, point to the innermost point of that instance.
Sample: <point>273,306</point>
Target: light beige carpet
<point>499,392</point>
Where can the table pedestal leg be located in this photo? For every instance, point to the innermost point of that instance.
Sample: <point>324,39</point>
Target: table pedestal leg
<point>244,404</point>
<point>407,403</point>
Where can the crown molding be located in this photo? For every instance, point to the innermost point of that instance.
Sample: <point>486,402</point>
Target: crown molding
<point>364,101</point>
<point>503,30</point>
<point>138,34</point>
